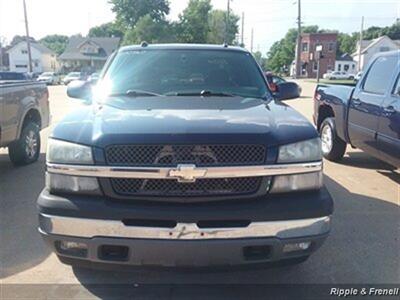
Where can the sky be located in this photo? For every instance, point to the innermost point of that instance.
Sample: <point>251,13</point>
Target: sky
<point>270,18</point>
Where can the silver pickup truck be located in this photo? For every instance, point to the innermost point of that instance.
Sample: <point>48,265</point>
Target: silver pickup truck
<point>24,111</point>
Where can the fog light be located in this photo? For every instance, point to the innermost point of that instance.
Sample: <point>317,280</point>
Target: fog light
<point>72,184</point>
<point>72,248</point>
<point>301,182</point>
<point>295,247</point>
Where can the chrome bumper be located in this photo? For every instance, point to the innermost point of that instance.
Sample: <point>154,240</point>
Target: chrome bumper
<point>184,172</point>
<point>91,228</point>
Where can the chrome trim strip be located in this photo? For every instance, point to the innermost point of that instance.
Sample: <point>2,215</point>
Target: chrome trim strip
<point>167,173</point>
<point>90,228</point>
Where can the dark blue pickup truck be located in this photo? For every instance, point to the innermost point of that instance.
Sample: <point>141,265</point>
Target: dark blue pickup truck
<point>367,116</point>
<point>185,158</point>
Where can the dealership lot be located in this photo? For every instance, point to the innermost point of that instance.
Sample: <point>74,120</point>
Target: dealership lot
<point>363,247</point>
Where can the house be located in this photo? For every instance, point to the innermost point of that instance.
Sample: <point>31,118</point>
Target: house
<point>309,61</point>
<point>43,59</point>
<point>372,47</point>
<point>87,54</point>
<point>345,63</point>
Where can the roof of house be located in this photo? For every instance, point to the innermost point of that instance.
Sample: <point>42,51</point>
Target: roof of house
<point>106,47</point>
<point>35,45</point>
<point>345,57</point>
<point>366,45</point>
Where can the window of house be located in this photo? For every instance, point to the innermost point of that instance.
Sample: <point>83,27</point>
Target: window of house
<point>21,66</point>
<point>339,67</point>
<point>346,67</point>
<point>331,47</point>
<point>36,64</point>
<point>353,66</point>
<point>304,47</point>
<point>24,51</point>
<point>378,77</point>
<point>384,49</point>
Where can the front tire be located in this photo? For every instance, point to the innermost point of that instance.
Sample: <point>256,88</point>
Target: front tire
<point>333,147</point>
<point>27,149</point>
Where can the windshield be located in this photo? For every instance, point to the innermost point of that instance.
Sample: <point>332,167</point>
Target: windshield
<point>179,72</point>
<point>47,74</point>
<point>74,74</point>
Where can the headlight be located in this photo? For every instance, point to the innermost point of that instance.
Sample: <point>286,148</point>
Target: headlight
<point>68,153</point>
<point>306,151</point>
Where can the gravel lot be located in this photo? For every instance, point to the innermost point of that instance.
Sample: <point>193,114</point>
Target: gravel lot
<point>363,248</point>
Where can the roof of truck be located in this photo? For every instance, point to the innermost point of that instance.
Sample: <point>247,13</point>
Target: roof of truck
<point>183,47</point>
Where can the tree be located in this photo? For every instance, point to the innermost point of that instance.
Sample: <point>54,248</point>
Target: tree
<point>149,30</point>
<point>110,29</point>
<point>194,22</point>
<point>55,42</point>
<point>346,43</point>
<point>217,27</point>
<point>130,11</point>
<point>261,60</point>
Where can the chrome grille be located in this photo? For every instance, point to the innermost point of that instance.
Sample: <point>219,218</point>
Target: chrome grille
<point>202,187</point>
<point>172,155</point>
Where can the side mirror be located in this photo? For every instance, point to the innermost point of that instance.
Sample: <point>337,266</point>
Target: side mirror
<point>287,91</point>
<point>80,90</point>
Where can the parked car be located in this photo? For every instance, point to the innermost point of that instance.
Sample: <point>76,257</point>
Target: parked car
<point>24,111</point>
<point>358,76</point>
<point>71,77</point>
<point>93,78</point>
<point>338,75</point>
<point>274,81</point>
<point>191,161</point>
<point>367,116</point>
<point>13,76</point>
<point>50,78</point>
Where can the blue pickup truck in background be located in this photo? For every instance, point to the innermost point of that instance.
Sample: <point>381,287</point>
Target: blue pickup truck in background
<point>367,116</point>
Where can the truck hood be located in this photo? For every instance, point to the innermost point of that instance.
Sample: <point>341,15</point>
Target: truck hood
<point>185,120</point>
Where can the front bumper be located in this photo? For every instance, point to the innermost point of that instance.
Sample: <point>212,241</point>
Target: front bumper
<point>273,222</point>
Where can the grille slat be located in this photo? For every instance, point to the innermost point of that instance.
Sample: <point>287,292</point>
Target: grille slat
<point>172,155</point>
<point>202,187</point>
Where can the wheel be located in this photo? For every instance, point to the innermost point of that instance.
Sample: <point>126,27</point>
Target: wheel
<point>351,78</point>
<point>333,147</point>
<point>27,149</point>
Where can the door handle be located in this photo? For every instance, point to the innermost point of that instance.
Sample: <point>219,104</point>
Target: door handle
<point>356,102</point>
<point>389,110</point>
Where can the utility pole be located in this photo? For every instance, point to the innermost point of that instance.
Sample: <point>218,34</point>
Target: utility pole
<point>242,34</point>
<point>28,39</point>
<point>252,40</point>
<point>1,53</point>
<point>227,23</point>
<point>298,50</point>
<point>360,46</point>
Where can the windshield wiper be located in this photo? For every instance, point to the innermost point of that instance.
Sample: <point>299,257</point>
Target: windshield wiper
<point>135,93</point>
<point>202,94</point>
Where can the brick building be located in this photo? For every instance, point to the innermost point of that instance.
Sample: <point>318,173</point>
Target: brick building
<point>309,42</point>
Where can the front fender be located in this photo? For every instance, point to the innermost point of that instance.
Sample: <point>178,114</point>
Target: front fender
<point>337,98</point>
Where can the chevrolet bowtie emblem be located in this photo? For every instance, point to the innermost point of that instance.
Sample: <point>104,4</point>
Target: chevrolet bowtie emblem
<point>187,173</point>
